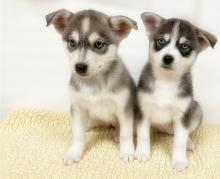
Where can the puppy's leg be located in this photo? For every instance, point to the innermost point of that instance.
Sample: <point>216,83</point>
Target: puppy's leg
<point>75,151</point>
<point>126,136</point>
<point>142,152</point>
<point>185,125</point>
<point>179,158</point>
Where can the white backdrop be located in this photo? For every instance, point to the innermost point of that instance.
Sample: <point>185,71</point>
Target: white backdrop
<point>34,68</point>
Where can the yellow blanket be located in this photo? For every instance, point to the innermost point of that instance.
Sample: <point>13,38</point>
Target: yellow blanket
<point>33,142</point>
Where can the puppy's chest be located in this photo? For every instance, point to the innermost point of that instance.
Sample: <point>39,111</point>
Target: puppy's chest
<point>163,104</point>
<point>99,103</point>
<point>164,94</point>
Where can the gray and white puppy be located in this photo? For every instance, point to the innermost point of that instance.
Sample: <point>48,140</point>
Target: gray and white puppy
<point>165,91</point>
<point>102,90</point>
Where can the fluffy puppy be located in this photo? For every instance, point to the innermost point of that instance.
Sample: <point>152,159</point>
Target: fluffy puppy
<point>102,90</point>
<point>165,90</point>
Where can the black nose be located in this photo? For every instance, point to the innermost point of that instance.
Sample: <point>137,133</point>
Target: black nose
<point>168,59</point>
<point>81,68</point>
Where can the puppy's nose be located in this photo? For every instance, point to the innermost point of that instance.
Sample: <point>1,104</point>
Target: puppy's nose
<point>81,68</point>
<point>168,59</point>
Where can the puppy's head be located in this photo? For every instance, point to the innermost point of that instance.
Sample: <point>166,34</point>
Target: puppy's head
<point>90,38</point>
<point>175,43</point>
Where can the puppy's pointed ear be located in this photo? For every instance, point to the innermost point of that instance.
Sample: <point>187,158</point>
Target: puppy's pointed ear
<point>59,19</point>
<point>205,39</point>
<point>122,26</point>
<point>151,21</point>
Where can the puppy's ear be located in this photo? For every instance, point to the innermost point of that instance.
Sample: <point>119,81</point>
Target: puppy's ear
<point>59,19</point>
<point>205,39</point>
<point>151,21</point>
<point>122,26</point>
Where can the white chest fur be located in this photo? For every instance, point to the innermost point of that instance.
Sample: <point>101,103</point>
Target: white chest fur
<point>163,104</point>
<point>100,104</point>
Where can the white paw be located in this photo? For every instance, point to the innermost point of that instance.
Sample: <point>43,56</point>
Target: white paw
<point>142,155</point>
<point>127,153</point>
<point>179,164</point>
<point>72,157</point>
<point>127,157</point>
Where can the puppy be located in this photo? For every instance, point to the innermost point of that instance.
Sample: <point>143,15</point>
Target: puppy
<point>102,91</point>
<point>165,91</point>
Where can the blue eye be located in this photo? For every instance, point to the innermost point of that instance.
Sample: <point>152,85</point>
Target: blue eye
<point>71,43</point>
<point>185,46</point>
<point>99,44</point>
<point>161,41</point>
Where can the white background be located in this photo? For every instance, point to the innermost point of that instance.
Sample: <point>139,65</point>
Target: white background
<point>34,69</point>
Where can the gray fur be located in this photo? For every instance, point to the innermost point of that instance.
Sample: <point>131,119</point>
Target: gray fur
<point>185,86</point>
<point>194,112</point>
<point>146,81</point>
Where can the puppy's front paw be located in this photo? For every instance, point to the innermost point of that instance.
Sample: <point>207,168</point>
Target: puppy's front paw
<point>179,164</point>
<point>127,157</point>
<point>127,154</point>
<point>142,155</point>
<point>72,156</point>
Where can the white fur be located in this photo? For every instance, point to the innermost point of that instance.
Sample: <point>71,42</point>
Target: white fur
<point>142,152</point>
<point>98,63</point>
<point>93,37</point>
<point>79,127</point>
<point>182,40</point>
<point>163,104</point>
<point>85,25</point>
<point>75,36</point>
<point>179,158</point>
<point>167,37</point>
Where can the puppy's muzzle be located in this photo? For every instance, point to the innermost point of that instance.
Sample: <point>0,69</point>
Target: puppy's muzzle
<point>81,68</point>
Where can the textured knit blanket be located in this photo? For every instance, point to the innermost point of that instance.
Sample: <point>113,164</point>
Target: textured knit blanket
<point>33,142</point>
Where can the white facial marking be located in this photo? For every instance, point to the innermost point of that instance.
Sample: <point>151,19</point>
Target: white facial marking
<point>75,36</point>
<point>175,32</point>
<point>85,25</point>
<point>182,40</point>
<point>93,37</point>
<point>100,62</point>
<point>167,37</point>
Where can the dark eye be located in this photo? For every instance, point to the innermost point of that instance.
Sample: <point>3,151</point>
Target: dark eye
<point>185,46</point>
<point>99,44</point>
<point>161,41</point>
<point>71,43</point>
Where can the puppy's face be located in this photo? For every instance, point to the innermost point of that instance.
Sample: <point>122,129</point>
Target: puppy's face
<point>174,43</point>
<point>90,38</point>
